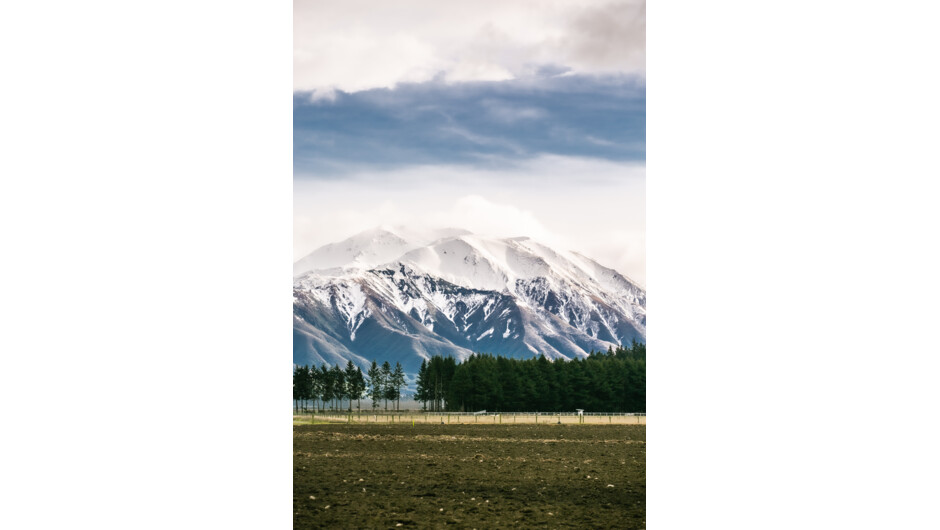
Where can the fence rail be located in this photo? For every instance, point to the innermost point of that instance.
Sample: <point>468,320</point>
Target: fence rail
<point>427,417</point>
<point>364,412</point>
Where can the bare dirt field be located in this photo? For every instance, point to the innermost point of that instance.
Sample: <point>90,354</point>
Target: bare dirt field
<point>469,475</point>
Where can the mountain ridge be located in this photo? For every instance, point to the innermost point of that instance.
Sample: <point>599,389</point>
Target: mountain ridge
<point>455,295</point>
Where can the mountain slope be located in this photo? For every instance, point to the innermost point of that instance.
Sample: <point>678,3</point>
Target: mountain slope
<point>363,250</point>
<point>456,295</point>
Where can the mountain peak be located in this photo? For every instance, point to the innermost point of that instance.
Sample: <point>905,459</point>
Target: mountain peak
<point>402,296</point>
<point>363,250</point>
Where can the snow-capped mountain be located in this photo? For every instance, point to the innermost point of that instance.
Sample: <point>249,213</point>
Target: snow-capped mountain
<point>387,294</point>
<point>370,248</point>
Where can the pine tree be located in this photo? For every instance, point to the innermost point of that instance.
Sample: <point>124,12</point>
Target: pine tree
<point>327,377</point>
<point>398,381</point>
<point>386,382</point>
<point>339,385</point>
<point>448,368</point>
<point>462,389</point>
<point>307,385</point>
<point>360,388</point>
<point>351,384</point>
<point>316,385</point>
<point>298,386</point>
<point>549,398</point>
<point>375,384</point>
<point>421,385</point>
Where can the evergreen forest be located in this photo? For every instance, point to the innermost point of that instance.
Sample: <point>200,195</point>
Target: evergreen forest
<point>611,381</point>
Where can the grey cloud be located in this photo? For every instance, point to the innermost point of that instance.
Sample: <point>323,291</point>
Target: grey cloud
<point>610,37</point>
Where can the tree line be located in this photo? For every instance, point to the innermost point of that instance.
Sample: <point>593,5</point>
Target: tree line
<point>611,381</point>
<point>331,386</point>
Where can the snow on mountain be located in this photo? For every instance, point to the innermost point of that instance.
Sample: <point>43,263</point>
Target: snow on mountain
<point>370,248</point>
<point>364,250</point>
<point>386,296</point>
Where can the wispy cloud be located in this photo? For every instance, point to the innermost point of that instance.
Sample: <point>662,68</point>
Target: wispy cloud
<point>489,123</point>
<point>501,111</point>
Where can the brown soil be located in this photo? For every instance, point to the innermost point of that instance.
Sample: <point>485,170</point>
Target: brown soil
<point>469,476</point>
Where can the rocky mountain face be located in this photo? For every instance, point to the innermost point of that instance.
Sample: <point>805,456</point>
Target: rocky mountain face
<point>399,297</point>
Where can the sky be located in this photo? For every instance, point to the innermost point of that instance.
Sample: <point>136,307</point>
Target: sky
<point>508,118</point>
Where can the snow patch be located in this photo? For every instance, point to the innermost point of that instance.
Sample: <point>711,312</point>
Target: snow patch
<point>557,292</point>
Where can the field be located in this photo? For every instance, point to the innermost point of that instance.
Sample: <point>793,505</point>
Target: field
<point>472,475</point>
